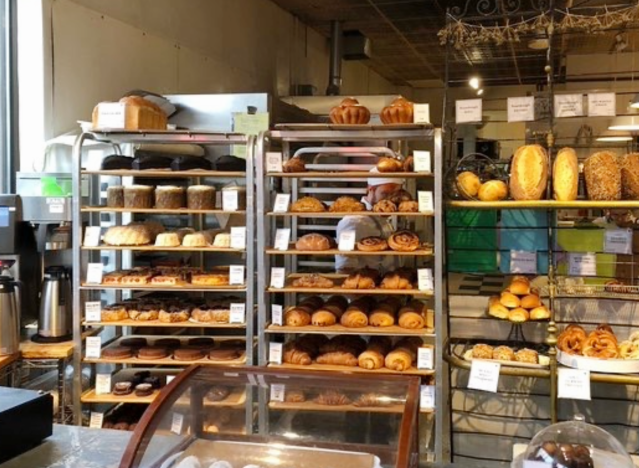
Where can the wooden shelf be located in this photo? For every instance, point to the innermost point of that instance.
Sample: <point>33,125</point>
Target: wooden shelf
<point>312,406</point>
<point>148,287</point>
<point>152,248</point>
<point>327,214</point>
<point>342,330</point>
<point>426,252</point>
<point>338,290</point>
<point>347,175</point>
<point>351,370</point>
<point>544,204</point>
<point>179,211</point>
<point>167,361</point>
<point>236,398</point>
<point>158,324</point>
<point>166,173</point>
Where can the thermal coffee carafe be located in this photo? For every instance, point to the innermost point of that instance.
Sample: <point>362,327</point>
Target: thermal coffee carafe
<point>10,295</point>
<point>55,323</point>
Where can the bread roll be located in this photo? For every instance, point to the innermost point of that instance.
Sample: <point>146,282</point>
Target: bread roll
<point>566,175</point>
<point>493,190</point>
<point>630,176</point>
<point>603,176</point>
<point>509,300</point>
<point>540,313</point>
<point>519,287</point>
<point>497,309</point>
<point>530,301</point>
<point>518,315</point>
<point>468,184</point>
<point>529,173</point>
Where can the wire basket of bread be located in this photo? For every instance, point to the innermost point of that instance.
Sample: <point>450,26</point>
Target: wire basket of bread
<point>477,177</point>
<point>506,353</point>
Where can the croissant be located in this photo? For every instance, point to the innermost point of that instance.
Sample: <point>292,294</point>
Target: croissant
<point>338,358</point>
<point>354,318</point>
<point>372,400</point>
<point>297,316</point>
<point>323,318</point>
<point>384,313</point>
<point>365,278</point>
<point>399,360</point>
<point>373,357</point>
<point>313,281</point>
<point>294,355</point>
<point>344,343</point>
<point>394,280</point>
<point>411,318</point>
<point>332,398</point>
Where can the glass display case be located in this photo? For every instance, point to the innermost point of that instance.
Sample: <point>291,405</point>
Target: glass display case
<point>265,418</point>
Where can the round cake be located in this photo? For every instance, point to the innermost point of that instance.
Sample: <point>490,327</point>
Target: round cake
<point>169,197</point>
<point>115,196</point>
<point>200,197</point>
<point>222,240</point>
<point>195,240</point>
<point>167,239</point>
<point>138,196</point>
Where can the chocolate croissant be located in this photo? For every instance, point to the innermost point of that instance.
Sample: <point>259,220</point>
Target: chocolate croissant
<point>297,316</point>
<point>354,317</point>
<point>412,316</point>
<point>373,357</point>
<point>384,313</point>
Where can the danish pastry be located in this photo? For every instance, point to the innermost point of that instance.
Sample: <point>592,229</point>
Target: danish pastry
<point>346,205</point>
<point>313,281</point>
<point>372,244</point>
<point>408,206</point>
<point>404,241</point>
<point>308,205</point>
<point>385,206</point>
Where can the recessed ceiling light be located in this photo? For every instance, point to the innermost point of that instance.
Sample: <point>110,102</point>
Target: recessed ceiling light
<point>474,82</point>
<point>629,123</point>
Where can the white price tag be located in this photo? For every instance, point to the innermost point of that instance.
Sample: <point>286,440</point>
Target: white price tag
<point>111,115</point>
<point>421,113</point>
<point>468,111</point>
<point>573,384</point>
<point>94,273</point>
<point>569,105</point>
<point>277,314</point>
<point>56,209</point>
<point>421,161</point>
<point>523,262</point>
<point>521,109</point>
<point>618,241</point>
<point>229,200</point>
<point>236,275</point>
<point>536,464</point>
<point>94,347</point>
<point>273,161</point>
<point>93,311</point>
<point>278,276</point>
<point>582,264</point>
<point>278,391</point>
<point>92,236</point>
<point>169,378</point>
<point>176,423</point>
<point>427,397</point>
<point>347,241</point>
<point>281,202</point>
<point>425,279</point>
<point>275,351</point>
<point>602,105</point>
<point>484,375</point>
<point>102,384</point>
<point>238,313</point>
<point>425,358</point>
<point>425,201</point>
<point>96,420</point>
<point>282,239</point>
<point>238,238</point>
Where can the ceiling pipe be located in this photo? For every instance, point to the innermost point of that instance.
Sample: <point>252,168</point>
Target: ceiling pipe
<point>335,60</point>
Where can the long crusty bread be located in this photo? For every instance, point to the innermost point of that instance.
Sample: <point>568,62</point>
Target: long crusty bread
<point>565,173</point>
<point>529,173</point>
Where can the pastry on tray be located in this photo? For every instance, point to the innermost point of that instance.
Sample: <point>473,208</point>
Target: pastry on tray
<point>346,204</point>
<point>386,164</point>
<point>127,236</point>
<point>315,243</point>
<point>372,244</point>
<point>313,281</point>
<point>404,241</point>
<point>332,398</point>
<point>200,197</point>
<point>384,313</point>
<point>403,355</point>
<point>376,350</point>
<point>197,239</point>
<point>297,316</point>
<point>144,312</point>
<point>408,206</point>
<point>364,278</point>
<point>138,197</point>
<point>210,279</point>
<point>295,164</point>
<point>167,239</point>
<point>399,111</point>
<point>222,240</point>
<point>308,205</point>
<point>349,111</point>
<point>402,278</point>
<point>169,197</point>
<point>413,316</point>
<point>114,313</point>
<point>211,314</point>
<point>385,206</point>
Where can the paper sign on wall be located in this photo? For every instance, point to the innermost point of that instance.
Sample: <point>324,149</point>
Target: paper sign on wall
<point>421,161</point>
<point>602,105</point>
<point>273,161</point>
<point>618,241</point>
<point>573,384</point>
<point>569,105</point>
<point>484,375</point>
<point>521,109</point>
<point>582,264</point>
<point>421,113</point>
<point>468,110</point>
<point>523,262</point>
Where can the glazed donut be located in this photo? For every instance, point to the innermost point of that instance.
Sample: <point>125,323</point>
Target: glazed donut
<point>385,206</point>
<point>389,165</point>
<point>404,241</point>
<point>572,339</point>
<point>372,244</point>
<point>601,345</point>
<point>408,206</point>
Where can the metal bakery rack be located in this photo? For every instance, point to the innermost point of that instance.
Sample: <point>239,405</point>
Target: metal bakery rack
<point>96,214</point>
<point>338,159</point>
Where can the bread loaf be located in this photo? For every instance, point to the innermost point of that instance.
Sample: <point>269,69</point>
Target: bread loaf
<point>529,173</point>
<point>630,176</point>
<point>493,190</point>
<point>139,114</point>
<point>603,176</point>
<point>565,175</point>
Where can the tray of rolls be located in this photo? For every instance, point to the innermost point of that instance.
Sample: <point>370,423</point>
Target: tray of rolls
<point>353,353</point>
<point>512,354</point>
<point>598,350</point>
<point>165,278</point>
<point>518,303</point>
<point>400,203</point>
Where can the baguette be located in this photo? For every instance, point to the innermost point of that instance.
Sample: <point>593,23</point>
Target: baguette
<point>566,175</point>
<point>529,173</point>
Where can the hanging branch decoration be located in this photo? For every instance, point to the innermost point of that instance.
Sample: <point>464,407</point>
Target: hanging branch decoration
<point>461,34</point>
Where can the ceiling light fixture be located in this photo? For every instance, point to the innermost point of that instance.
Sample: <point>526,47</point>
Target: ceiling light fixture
<point>612,136</point>
<point>474,82</point>
<point>480,92</point>
<point>625,123</point>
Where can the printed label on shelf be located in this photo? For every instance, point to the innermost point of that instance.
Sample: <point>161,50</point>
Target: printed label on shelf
<point>425,279</point>
<point>236,275</point>
<point>484,375</point>
<point>573,384</point>
<point>238,313</point>
<point>56,205</point>
<point>176,423</point>
<point>92,236</point>
<point>94,347</point>
<point>94,273</point>
<point>278,276</point>
<point>468,111</point>
<point>582,264</point>
<point>427,397</point>
<point>282,239</point>
<point>618,241</point>
<point>425,358</point>
<point>521,109</point>
<point>421,113</point>
<point>111,115</point>
<point>273,161</point>
<point>102,384</point>
<point>278,391</point>
<point>229,200</point>
<point>536,464</point>
<point>238,237</point>
<point>425,200</point>
<point>96,420</point>
<point>169,378</point>
<point>275,353</point>
<point>347,241</point>
<point>281,202</point>
<point>421,161</point>
<point>602,105</point>
<point>93,311</point>
<point>522,261</point>
<point>569,105</point>
<point>277,314</point>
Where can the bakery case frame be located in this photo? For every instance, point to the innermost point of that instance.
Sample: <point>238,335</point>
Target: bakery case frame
<point>122,257</point>
<point>338,158</point>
